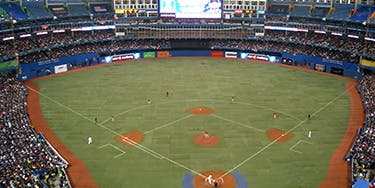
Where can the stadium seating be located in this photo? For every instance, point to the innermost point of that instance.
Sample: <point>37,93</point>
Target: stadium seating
<point>278,10</point>
<point>4,16</point>
<point>341,12</point>
<point>300,11</point>
<point>36,10</point>
<point>78,10</point>
<point>26,158</point>
<point>320,12</point>
<point>362,13</point>
<point>14,10</point>
<point>362,152</point>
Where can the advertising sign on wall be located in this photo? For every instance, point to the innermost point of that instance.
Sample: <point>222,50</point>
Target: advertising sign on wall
<point>230,54</point>
<point>120,57</point>
<point>261,57</point>
<point>8,64</point>
<point>163,54</point>
<point>61,68</point>
<point>149,54</point>
<point>217,54</point>
<point>367,63</point>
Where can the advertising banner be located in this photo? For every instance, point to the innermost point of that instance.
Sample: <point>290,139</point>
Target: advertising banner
<point>8,64</point>
<point>163,54</point>
<point>149,54</point>
<point>230,54</point>
<point>261,57</point>
<point>217,54</point>
<point>61,68</point>
<point>120,57</point>
<point>367,63</point>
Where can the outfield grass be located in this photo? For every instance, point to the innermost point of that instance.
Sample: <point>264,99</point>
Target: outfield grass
<point>259,89</point>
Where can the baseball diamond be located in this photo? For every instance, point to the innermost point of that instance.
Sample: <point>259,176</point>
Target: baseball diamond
<point>191,94</point>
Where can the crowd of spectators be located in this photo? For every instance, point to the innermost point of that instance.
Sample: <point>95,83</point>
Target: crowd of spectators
<point>104,47</point>
<point>26,159</point>
<point>293,48</point>
<point>71,43</point>
<point>332,41</point>
<point>49,40</point>
<point>362,153</point>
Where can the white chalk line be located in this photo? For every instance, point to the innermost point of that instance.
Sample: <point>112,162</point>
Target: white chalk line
<point>238,123</point>
<point>135,144</point>
<point>299,141</point>
<point>168,124</point>
<point>290,130</point>
<point>113,132</point>
<point>116,148</point>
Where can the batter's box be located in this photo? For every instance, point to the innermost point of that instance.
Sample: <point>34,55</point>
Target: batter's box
<point>296,144</point>
<point>114,147</point>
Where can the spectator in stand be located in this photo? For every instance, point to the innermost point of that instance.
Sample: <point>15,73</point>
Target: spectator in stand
<point>25,159</point>
<point>363,152</point>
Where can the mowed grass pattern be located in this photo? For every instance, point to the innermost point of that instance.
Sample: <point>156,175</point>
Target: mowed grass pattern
<point>259,90</point>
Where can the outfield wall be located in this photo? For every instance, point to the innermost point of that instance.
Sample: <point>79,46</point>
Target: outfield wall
<point>62,64</point>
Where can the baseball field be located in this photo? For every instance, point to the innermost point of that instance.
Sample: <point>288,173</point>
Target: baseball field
<point>171,122</point>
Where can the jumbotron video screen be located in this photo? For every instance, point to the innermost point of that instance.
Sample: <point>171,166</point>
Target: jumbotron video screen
<point>210,9</point>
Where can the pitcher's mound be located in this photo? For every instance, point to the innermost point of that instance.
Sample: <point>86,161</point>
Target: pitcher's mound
<point>206,140</point>
<point>278,135</point>
<point>227,181</point>
<point>201,110</point>
<point>130,138</point>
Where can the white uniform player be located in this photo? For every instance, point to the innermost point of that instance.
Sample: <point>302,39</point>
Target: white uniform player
<point>89,140</point>
<point>210,180</point>
<point>309,134</point>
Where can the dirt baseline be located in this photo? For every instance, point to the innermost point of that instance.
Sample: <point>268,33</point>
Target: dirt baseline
<point>131,138</point>
<point>278,135</point>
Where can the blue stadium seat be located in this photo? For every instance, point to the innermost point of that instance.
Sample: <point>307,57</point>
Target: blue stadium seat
<point>78,10</point>
<point>300,11</point>
<point>36,9</point>
<point>278,10</point>
<point>341,12</point>
<point>14,10</point>
<point>362,13</point>
<point>320,12</point>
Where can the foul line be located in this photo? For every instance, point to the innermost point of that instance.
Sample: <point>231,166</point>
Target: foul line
<point>243,125</point>
<point>290,130</point>
<point>168,124</point>
<point>118,149</point>
<point>114,132</point>
<point>135,144</point>
<point>299,141</point>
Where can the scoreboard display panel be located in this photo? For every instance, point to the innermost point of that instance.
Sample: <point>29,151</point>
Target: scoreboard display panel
<point>210,9</point>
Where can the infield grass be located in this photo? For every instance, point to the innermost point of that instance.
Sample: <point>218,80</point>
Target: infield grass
<point>259,90</point>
